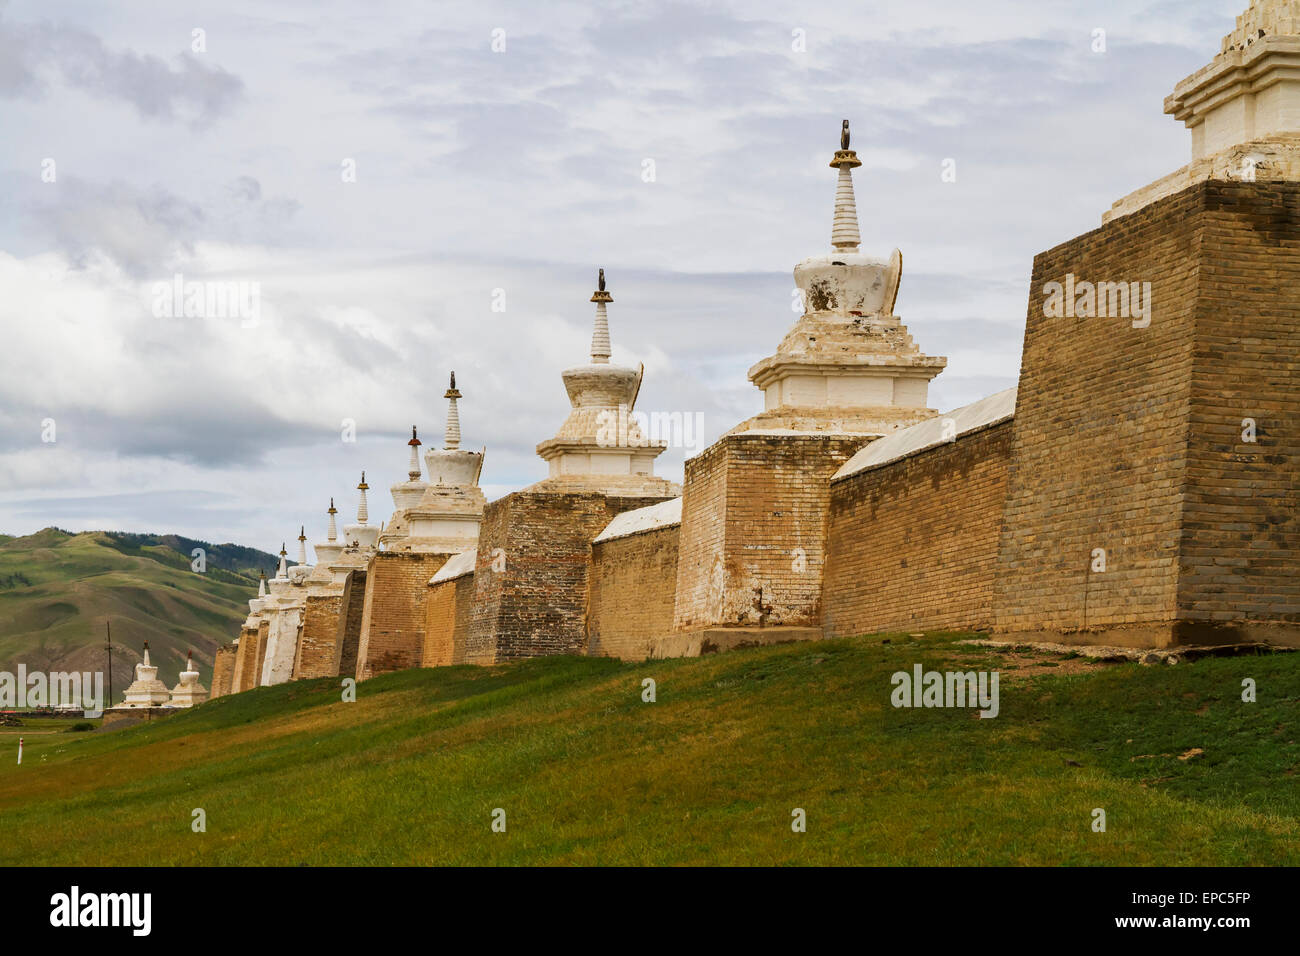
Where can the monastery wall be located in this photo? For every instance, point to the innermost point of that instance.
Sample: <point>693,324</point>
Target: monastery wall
<point>245,660</point>
<point>754,516</point>
<point>534,556</point>
<point>1097,456</point>
<point>393,618</point>
<point>281,645</point>
<point>913,543</point>
<point>318,645</point>
<point>631,595</point>
<point>1128,440</point>
<point>448,612</point>
<point>252,675</point>
<point>348,637</point>
<point>1240,533</point>
<point>223,671</point>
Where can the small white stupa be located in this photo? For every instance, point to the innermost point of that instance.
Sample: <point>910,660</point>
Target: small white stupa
<point>848,365</point>
<point>446,518</point>
<point>327,551</point>
<point>601,447</point>
<point>146,690</point>
<point>359,542</point>
<point>363,534</point>
<point>406,494</point>
<point>189,691</point>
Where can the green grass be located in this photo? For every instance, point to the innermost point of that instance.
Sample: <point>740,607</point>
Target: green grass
<point>709,774</point>
<point>57,591</point>
<point>47,725</point>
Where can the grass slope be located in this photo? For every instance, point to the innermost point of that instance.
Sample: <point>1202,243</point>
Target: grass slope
<point>590,774</point>
<point>58,589</point>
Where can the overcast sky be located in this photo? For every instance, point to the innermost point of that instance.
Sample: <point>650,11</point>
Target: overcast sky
<point>519,169</point>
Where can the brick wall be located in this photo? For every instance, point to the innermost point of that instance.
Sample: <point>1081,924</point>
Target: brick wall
<point>1240,542</point>
<point>223,671</point>
<point>352,605</point>
<point>263,638</point>
<point>754,516</point>
<point>701,537</point>
<point>318,646</point>
<point>392,622</point>
<point>537,605</point>
<point>245,660</point>
<point>1122,439</point>
<point>913,544</point>
<point>631,593</point>
<point>448,611</point>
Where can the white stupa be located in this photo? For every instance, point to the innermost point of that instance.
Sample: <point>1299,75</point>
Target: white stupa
<point>359,542</point>
<point>189,691</point>
<point>406,494</point>
<point>848,365</point>
<point>445,519</point>
<point>146,690</point>
<point>601,447</point>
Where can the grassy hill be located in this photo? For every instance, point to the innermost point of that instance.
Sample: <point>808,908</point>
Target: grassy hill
<point>58,589</point>
<point>588,773</point>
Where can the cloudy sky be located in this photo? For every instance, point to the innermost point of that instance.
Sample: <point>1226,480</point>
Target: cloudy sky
<point>134,150</point>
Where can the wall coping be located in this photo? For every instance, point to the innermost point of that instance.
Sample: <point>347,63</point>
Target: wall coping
<point>457,566</point>
<point>941,430</point>
<point>650,518</point>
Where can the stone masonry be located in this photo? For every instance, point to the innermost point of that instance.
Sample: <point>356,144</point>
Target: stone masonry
<point>1128,439</point>
<point>393,620</point>
<point>914,540</point>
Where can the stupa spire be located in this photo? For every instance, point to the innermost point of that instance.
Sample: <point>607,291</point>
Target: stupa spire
<point>146,654</point>
<point>334,531</point>
<point>844,227</point>
<point>283,572</point>
<point>261,584</point>
<point>302,545</point>
<point>600,348</point>
<point>452,441</point>
<point>413,469</point>
<point>363,512</point>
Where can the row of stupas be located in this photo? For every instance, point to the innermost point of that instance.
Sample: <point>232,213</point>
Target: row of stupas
<point>848,505</point>
<point>847,371</point>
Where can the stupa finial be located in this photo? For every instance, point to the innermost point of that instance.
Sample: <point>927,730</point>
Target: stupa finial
<point>844,227</point>
<point>334,531</point>
<point>284,563</point>
<point>452,440</point>
<point>363,512</point>
<point>302,545</point>
<point>600,349</point>
<point>413,468</point>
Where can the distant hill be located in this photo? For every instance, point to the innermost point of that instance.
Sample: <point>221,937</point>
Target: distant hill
<point>58,590</point>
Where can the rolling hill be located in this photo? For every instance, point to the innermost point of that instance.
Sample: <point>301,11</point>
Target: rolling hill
<point>58,590</point>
